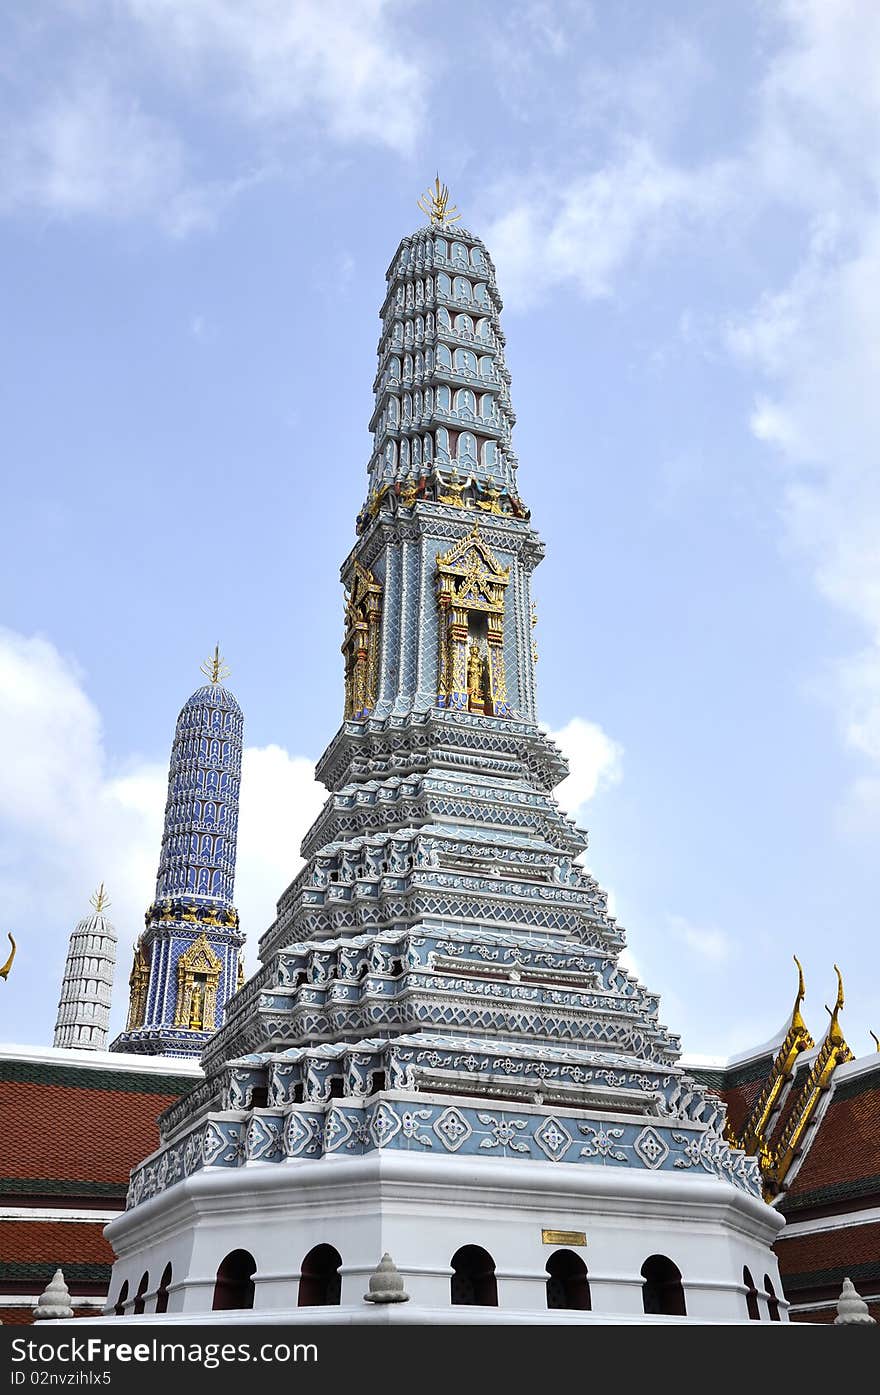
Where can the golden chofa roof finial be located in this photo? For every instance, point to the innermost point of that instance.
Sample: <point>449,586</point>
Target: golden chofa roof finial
<point>435,203</point>
<point>99,899</point>
<point>4,972</point>
<point>216,667</point>
<point>835,1035</point>
<point>796,1018</point>
<point>876,1038</point>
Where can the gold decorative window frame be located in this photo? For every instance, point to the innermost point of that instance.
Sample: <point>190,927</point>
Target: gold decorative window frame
<point>196,963</point>
<point>138,983</point>
<point>472,582</point>
<point>363,614</point>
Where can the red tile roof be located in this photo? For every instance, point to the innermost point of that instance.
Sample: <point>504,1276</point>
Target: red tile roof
<point>844,1153</point>
<point>829,1249</point>
<point>53,1132</point>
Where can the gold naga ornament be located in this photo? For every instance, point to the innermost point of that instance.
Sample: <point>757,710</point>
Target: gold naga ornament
<point>4,972</point>
<point>435,204</point>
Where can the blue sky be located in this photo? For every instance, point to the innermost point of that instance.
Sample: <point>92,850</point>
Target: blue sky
<point>198,201</point>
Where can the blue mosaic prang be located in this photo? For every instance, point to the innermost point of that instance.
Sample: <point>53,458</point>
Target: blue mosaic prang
<point>443,973</point>
<point>201,813</point>
<point>195,882</point>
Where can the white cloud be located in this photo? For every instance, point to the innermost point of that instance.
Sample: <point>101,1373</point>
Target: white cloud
<point>91,150</point>
<point>585,229</point>
<point>276,60</point>
<point>820,102</point>
<point>67,821</point>
<point>280,801</point>
<point>595,762</point>
<point>708,943</point>
<point>88,138</point>
<point>816,341</point>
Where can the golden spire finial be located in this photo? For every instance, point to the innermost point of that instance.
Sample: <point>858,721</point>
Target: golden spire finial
<point>435,203</point>
<point>99,899</point>
<point>216,667</point>
<point>4,972</point>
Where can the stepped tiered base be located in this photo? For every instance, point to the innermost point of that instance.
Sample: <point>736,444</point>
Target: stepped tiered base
<point>441,1050</point>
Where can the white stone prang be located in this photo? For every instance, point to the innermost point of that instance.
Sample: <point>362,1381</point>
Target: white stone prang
<point>54,1301</point>
<point>84,1008</point>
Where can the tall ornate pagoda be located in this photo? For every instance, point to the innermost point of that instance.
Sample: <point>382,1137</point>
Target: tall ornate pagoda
<point>440,1056</point>
<point>187,961</point>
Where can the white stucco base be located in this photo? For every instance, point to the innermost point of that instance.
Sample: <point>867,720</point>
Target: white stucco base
<point>421,1209</point>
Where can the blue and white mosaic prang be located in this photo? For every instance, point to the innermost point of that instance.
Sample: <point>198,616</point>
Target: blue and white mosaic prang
<point>187,961</point>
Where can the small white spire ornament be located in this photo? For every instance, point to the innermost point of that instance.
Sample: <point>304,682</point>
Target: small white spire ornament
<point>850,1306</point>
<point>54,1301</point>
<point>386,1284</point>
<point>84,1007</point>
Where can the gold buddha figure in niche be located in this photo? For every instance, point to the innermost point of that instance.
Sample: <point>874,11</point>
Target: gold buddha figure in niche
<point>475,678</point>
<point>197,1007</point>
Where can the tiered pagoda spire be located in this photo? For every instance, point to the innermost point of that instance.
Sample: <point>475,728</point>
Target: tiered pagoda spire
<point>439,999</point>
<point>84,1009</point>
<point>186,962</point>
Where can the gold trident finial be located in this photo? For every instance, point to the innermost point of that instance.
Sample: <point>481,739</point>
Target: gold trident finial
<point>435,203</point>
<point>4,972</point>
<point>100,900</point>
<point>216,667</point>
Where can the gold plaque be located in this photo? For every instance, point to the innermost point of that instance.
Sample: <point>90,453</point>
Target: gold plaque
<point>563,1237</point>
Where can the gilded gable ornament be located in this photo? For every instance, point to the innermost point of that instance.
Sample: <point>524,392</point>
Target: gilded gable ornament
<point>198,980</point>
<point>363,613</point>
<point>470,596</point>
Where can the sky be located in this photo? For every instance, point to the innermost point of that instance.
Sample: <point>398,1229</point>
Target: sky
<point>198,202</point>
